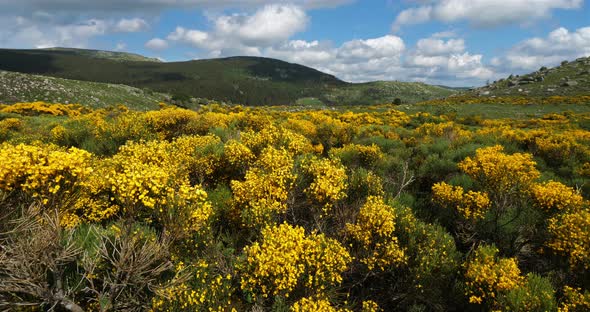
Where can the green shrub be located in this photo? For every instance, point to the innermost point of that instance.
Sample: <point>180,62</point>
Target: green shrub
<point>537,294</point>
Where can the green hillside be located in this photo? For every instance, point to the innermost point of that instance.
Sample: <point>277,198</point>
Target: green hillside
<point>570,78</point>
<point>109,55</point>
<point>244,80</point>
<point>18,87</point>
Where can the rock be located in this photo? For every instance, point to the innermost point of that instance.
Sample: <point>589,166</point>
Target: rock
<point>512,83</point>
<point>524,82</point>
<point>585,72</point>
<point>519,90</point>
<point>540,79</point>
<point>550,90</point>
<point>570,83</point>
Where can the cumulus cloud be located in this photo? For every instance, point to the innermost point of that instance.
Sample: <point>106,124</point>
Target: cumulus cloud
<point>440,60</point>
<point>156,44</point>
<point>560,44</point>
<point>388,58</point>
<point>44,30</point>
<point>313,53</point>
<point>268,26</point>
<point>355,60</point>
<point>384,47</point>
<point>483,13</point>
<point>130,25</point>
<point>20,32</point>
<point>193,37</point>
<point>432,46</point>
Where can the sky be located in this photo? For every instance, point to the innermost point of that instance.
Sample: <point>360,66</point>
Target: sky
<point>447,42</point>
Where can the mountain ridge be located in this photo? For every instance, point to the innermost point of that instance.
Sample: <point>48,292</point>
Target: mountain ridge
<point>242,79</point>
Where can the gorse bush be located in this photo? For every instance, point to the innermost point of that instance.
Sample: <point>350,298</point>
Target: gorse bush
<point>231,208</point>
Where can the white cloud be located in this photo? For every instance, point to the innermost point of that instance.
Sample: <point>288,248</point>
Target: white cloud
<point>312,53</point>
<point>266,26</point>
<point>412,16</point>
<point>131,25</point>
<point>384,47</point>
<point>560,44</point>
<point>46,31</point>
<point>245,34</point>
<point>431,46</point>
<point>441,60</point>
<point>121,46</point>
<point>387,58</point>
<point>74,34</point>
<point>196,38</point>
<point>156,44</point>
<point>483,12</point>
<point>444,34</point>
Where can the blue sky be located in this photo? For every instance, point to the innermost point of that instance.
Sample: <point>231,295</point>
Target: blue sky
<point>451,42</point>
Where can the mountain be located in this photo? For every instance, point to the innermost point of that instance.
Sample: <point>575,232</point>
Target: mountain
<point>569,78</point>
<point>244,80</point>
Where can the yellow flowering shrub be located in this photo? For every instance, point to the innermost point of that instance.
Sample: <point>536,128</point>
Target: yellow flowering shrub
<point>38,108</point>
<point>308,304</point>
<point>44,172</point>
<point>329,181</point>
<point>570,236</point>
<point>584,170</point>
<point>208,120</point>
<point>10,124</point>
<point>204,291</point>
<point>448,130</point>
<point>471,205</point>
<point>199,157</point>
<point>145,182</point>
<point>373,234</point>
<point>238,154</point>
<point>127,126</point>
<point>302,126</point>
<point>555,196</point>
<point>575,300</point>
<point>170,121</point>
<point>487,275</point>
<point>499,172</point>
<point>264,192</point>
<point>286,258</point>
<point>330,131</point>
<point>277,137</point>
<point>364,155</point>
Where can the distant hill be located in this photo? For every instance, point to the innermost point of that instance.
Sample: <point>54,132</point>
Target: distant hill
<point>19,87</point>
<point>109,55</point>
<point>569,78</point>
<point>244,80</point>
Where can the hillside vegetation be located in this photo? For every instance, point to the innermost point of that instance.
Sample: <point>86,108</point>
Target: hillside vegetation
<point>569,78</point>
<point>18,87</point>
<point>109,55</point>
<point>231,208</point>
<point>242,80</point>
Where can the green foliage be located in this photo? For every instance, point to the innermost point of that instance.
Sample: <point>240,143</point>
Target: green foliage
<point>536,294</point>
